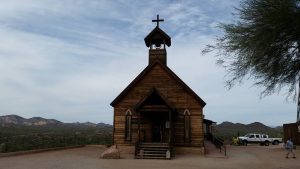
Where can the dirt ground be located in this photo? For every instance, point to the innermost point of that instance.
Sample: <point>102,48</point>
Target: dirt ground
<point>245,157</point>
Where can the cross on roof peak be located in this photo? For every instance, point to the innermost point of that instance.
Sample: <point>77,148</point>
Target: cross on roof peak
<point>157,20</point>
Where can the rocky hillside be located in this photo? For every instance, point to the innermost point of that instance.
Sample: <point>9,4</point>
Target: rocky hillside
<point>9,120</point>
<point>19,134</point>
<point>14,120</point>
<point>228,130</point>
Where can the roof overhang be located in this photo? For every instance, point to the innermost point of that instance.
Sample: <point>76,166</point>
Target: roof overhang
<point>157,36</point>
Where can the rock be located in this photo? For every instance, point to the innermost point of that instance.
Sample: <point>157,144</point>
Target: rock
<point>111,153</point>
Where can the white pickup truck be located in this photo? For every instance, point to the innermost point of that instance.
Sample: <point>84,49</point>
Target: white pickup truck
<point>262,139</point>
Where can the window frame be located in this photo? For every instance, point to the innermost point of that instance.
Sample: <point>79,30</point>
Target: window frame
<point>187,125</point>
<point>128,125</point>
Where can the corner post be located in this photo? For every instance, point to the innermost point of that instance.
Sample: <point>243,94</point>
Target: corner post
<point>171,127</point>
<point>139,126</point>
<point>298,105</point>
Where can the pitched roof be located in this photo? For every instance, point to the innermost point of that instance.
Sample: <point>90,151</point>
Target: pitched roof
<point>157,36</point>
<point>154,97</point>
<point>206,121</point>
<point>145,71</point>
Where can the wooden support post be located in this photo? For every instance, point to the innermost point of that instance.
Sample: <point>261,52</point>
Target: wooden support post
<point>139,125</point>
<point>171,126</point>
<point>298,105</point>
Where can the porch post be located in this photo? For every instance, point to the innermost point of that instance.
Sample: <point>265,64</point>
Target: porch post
<point>298,105</point>
<point>171,126</point>
<point>139,125</point>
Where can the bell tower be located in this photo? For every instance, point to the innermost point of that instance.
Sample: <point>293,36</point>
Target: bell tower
<point>156,41</point>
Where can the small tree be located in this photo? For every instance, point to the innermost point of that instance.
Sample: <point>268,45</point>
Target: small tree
<point>264,44</point>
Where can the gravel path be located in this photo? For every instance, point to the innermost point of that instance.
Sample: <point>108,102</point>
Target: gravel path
<point>248,157</point>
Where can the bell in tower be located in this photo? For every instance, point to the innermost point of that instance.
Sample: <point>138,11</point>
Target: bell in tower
<point>157,40</point>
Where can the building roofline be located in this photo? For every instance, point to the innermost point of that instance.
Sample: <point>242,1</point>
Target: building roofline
<point>145,71</point>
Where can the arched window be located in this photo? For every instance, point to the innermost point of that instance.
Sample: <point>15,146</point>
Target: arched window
<point>187,125</point>
<point>128,125</point>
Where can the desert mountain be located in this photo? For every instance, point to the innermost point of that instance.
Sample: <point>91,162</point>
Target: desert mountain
<point>228,129</point>
<point>14,120</point>
<point>9,120</point>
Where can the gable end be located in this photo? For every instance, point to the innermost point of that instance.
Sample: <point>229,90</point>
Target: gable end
<point>144,72</point>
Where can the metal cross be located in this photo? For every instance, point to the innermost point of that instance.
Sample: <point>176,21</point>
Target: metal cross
<point>157,20</point>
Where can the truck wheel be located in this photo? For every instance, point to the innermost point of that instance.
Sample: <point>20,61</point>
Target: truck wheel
<point>245,143</point>
<point>267,143</point>
<point>276,142</point>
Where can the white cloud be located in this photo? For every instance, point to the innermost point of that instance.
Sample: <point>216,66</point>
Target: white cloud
<point>69,59</point>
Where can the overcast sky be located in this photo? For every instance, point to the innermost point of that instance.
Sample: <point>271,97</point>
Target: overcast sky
<point>69,59</point>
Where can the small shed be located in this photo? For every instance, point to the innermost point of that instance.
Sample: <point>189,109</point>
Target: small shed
<point>292,130</point>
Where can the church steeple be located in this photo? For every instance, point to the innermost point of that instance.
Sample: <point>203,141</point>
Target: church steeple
<point>157,40</point>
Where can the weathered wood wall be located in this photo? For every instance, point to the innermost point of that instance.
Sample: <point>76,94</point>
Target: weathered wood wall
<point>291,131</point>
<point>159,78</point>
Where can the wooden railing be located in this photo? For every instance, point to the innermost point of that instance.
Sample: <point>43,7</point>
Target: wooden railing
<point>170,147</point>
<point>218,142</point>
<point>136,151</point>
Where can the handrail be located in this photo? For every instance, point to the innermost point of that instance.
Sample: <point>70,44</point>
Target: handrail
<point>218,142</point>
<point>136,148</point>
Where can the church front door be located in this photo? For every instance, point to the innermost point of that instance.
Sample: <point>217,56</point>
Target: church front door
<point>157,131</point>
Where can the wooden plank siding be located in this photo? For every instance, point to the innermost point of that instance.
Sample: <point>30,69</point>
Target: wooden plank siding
<point>159,78</point>
<point>291,131</point>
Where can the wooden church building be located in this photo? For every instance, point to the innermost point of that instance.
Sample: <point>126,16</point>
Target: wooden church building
<point>157,115</point>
